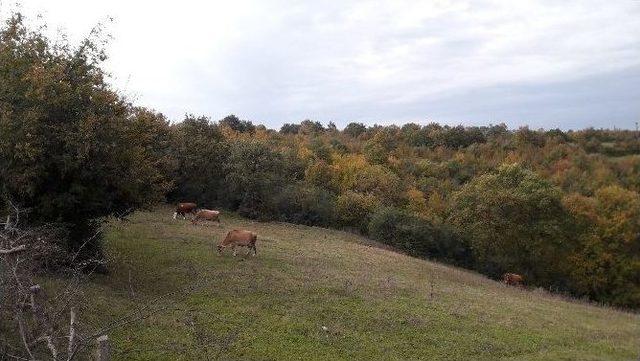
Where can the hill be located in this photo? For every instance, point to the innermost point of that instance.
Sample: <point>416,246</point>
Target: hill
<point>313,293</point>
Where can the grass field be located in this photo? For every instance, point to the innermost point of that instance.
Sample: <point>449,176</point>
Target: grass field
<point>320,294</point>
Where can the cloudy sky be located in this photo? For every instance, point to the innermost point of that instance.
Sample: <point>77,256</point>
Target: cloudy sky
<point>567,64</point>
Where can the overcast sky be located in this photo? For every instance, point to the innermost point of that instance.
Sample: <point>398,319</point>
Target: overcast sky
<point>567,64</point>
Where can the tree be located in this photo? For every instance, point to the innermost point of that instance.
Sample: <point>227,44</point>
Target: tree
<point>254,174</point>
<point>416,235</point>
<point>606,266</point>
<point>354,209</point>
<point>290,128</point>
<point>71,149</point>
<point>378,148</point>
<point>310,127</point>
<point>234,123</point>
<point>200,152</point>
<point>354,129</point>
<point>514,222</point>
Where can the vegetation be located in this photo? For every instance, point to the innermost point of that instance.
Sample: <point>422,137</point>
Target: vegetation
<point>71,149</point>
<point>560,208</point>
<point>538,203</point>
<point>374,303</point>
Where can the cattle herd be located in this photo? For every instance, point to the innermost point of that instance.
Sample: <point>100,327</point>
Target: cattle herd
<point>235,238</point>
<point>243,238</point>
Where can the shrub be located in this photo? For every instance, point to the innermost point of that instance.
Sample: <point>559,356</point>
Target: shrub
<point>200,153</point>
<point>416,236</point>
<point>72,150</point>
<point>253,174</point>
<point>302,204</point>
<point>354,209</point>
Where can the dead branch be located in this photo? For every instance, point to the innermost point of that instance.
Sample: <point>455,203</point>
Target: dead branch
<point>16,249</point>
<point>72,333</point>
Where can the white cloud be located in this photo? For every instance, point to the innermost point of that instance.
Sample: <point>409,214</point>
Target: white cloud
<point>279,61</point>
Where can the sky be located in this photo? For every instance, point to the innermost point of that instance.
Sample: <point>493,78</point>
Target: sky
<point>545,64</point>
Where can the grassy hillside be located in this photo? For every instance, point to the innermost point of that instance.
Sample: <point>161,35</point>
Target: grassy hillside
<point>373,303</point>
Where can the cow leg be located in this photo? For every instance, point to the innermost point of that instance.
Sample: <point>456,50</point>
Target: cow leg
<point>175,215</point>
<point>255,251</point>
<point>234,250</point>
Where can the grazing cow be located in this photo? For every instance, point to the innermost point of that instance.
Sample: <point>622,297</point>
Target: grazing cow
<point>512,279</point>
<point>207,215</point>
<point>185,208</point>
<point>239,238</point>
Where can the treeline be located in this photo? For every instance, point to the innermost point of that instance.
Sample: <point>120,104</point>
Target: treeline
<point>539,203</point>
<point>561,208</point>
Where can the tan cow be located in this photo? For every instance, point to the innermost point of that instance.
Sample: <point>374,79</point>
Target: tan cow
<point>239,238</point>
<point>512,279</point>
<point>207,215</point>
<point>184,208</point>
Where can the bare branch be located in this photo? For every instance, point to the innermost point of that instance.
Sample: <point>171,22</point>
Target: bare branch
<point>72,333</point>
<point>23,334</point>
<point>15,249</point>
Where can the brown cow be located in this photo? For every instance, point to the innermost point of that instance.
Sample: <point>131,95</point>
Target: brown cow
<point>512,279</point>
<point>185,208</point>
<point>207,215</point>
<point>239,238</point>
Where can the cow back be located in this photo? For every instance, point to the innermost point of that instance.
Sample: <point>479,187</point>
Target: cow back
<point>239,237</point>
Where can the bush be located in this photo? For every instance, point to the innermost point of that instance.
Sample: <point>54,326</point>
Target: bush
<point>305,205</point>
<point>354,209</point>
<point>200,153</point>
<point>416,236</point>
<point>71,150</point>
<point>254,174</point>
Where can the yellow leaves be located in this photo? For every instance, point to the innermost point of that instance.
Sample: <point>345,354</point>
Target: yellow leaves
<point>345,169</point>
<point>229,133</point>
<point>318,174</point>
<point>353,208</point>
<point>619,213</point>
<point>304,153</point>
<point>416,201</point>
<point>436,205</point>
<point>581,206</point>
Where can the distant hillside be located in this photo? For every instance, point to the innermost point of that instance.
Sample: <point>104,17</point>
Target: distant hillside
<point>313,293</point>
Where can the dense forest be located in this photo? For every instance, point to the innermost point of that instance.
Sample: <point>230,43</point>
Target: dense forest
<point>560,207</point>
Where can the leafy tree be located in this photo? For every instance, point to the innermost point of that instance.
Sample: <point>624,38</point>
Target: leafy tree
<point>458,137</point>
<point>354,129</point>
<point>515,222</point>
<point>416,135</point>
<point>71,149</point>
<point>200,152</point>
<point>378,148</point>
<point>302,204</point>
<point>234,123</point>
<point>416,235</point>
<point>254,173</point>
<point>354,209</point>
<point>606,265</point>
<point>290,128</point>
<point>310,127</point>
<point>319,149</point>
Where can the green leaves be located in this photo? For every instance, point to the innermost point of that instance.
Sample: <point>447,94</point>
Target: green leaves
<point>515,222</point>
<point>71,150</point>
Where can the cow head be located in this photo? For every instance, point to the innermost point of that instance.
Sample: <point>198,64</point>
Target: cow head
<point>220,248</point>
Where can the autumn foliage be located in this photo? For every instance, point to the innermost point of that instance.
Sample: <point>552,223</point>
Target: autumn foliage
<point>562,208</point>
